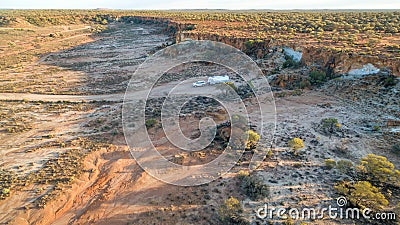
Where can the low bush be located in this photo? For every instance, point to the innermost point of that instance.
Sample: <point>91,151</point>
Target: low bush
<point>151,123</point>
<point>317,77</point>
<point>252,186</point>
<point>296,143</point>
<point>330,163</point>
<point>252,139</point>
<point>390,81</point>
<point>5,191</point>
<point>229,212</point>
<point>396,149</point>
<point>378,169</point>
<point>329,126</point>
<point>345,166</point>
<point>362,194</point>
<point>290,62</point>
<point>376,128</point>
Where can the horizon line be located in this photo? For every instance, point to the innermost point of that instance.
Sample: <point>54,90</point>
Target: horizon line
<point>147,9</point>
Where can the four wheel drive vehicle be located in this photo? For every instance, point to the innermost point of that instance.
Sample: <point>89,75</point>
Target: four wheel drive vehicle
<point>199,84</point>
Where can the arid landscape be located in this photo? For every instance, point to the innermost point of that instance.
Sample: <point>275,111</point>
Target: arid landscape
<point>64,158</point>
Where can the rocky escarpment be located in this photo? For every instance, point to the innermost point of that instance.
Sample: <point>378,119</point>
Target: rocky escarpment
<point>171,27</point>
<point>325,58</point>
<point>335,62</point>
<point>342,62</point>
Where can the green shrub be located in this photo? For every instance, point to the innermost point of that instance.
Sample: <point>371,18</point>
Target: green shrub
<point>228,88</point>
<point>290,63</point>
<point>231,84</point>
<point>304,84</point>
<point>5,191</point>
<point>242,174</point>
<point>379,169</point>
<point>249,43</point>
<point>253,187</point>
<point>296,143</point>
<point>376,128</point>
<point>390,81</point>
<point>330,125</point>
<point>362,194</point>
<point>252,139</point>
<point>345,166</point>
<point>317,77</point>
<point>328,122</point>
<point>229,212</point>
<point>330,163</point>
<point>396,148</point>
<point>151,123</point>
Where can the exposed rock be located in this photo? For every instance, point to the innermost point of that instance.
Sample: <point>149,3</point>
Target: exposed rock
<point>296,55</point>
<point>365,70</point>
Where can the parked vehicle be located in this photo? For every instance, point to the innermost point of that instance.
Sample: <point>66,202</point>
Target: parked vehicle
<point>199,83</point>
<point>218,79</point>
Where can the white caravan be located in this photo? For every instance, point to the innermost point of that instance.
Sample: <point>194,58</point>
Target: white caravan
<point>218,79</point>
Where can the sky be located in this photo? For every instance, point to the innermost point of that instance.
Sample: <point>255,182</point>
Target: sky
<point>198,4</point>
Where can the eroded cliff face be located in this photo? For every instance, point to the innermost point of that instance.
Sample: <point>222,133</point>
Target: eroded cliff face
<point>342,63</point>
<point>332,62</point>
<point>336,62</point>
